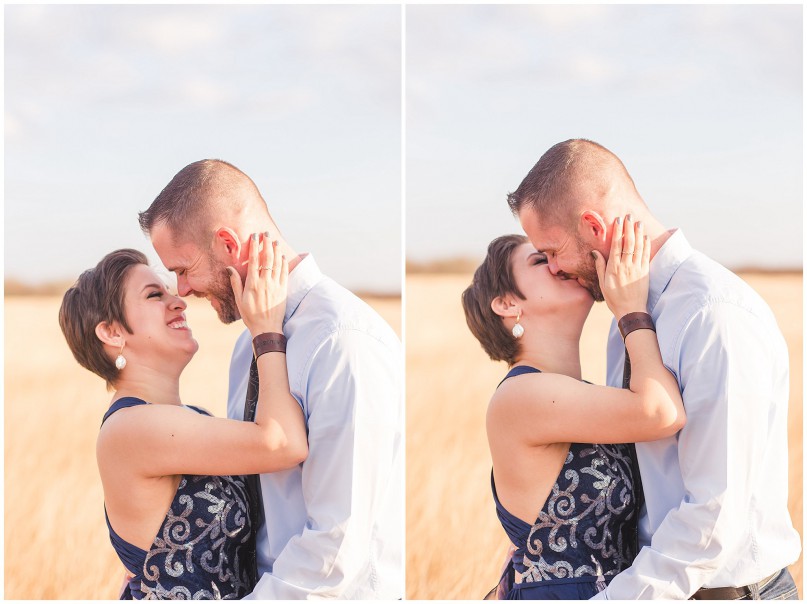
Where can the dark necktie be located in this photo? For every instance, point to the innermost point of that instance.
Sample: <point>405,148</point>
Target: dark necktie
<point>253,484</point>
<point>626,371</point>
<point>251,402</point>
<point>637,477</point>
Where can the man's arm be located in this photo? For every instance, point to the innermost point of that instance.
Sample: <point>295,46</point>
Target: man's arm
<point>723,355</point>
<point>354,400</point>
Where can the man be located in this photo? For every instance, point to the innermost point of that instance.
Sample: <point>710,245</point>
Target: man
<point>715,524</point>
<point>333,527</point>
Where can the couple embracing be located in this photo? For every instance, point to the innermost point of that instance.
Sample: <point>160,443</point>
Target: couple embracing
<point>298,494</point>
<point>670,482</point>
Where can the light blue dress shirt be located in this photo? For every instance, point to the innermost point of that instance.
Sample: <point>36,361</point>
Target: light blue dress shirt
<point>716,493</point>
<point>334,525</point>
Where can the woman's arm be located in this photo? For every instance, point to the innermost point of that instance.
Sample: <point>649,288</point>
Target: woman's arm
<point>563,409</point>
<point>162,440</point>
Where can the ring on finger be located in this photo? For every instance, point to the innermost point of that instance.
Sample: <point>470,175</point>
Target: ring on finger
<point>264,268</point>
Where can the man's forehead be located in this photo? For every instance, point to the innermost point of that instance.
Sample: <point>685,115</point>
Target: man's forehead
<point>540,235</point>
<point>161,236</point>
<point>165,243</point>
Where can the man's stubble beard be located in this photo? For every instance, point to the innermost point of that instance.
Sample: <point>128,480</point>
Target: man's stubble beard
<point>587,271</point>
<point>221,290</point>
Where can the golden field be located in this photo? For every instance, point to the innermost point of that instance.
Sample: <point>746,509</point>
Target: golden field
<point>455,544</point>
<point>56,540</point>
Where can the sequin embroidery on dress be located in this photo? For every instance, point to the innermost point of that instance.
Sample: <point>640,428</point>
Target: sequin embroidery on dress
<point>199,551</point>
<point>585,533</point>
<point>204,548</point>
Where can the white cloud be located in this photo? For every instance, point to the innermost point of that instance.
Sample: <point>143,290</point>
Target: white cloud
<point>27,17</point>
<point>12,127</point>
<point>593,69</point>
<point>636,49</point>
<point>565,17</point>
<point>179,30</point>
<point>21,120</point>
<point>279,104</point>
<point>774,32</point>
<point>205,93</point>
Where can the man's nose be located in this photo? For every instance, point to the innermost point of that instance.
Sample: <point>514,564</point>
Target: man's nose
<point>553,266</point>
<point>183,289</point>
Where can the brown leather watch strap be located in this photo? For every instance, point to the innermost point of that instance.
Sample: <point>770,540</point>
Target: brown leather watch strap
<point>268,342</point>
<point>633,321</point>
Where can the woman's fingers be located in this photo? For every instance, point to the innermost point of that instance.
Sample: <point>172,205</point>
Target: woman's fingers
<point>599,264</point>
<point>624,280</point>
<point>629,240</point>
<point>638,246</point>
<point>646,253</point>
<point>615,256</point>
<point>266,257</point>
<point>277,262</point>
<point>235,283</point>
<point>261,298</point>
<point>253,267</point>
<point>284,271</point>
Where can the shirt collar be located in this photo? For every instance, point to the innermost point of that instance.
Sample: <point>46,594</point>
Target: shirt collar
<point>304,276</point>
<point>664,264</point>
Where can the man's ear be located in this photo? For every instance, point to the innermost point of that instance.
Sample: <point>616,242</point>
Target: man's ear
<point>504,306</point>
<point>110,333</point>
<point>227,243</point>
<point>593,226</point>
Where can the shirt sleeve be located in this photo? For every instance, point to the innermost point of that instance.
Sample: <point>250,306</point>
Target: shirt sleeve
<point>353,396</point>
<point>724,367</point>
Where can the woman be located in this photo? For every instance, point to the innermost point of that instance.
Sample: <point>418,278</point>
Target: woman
<point>569,507</point>
<point>156,454</point>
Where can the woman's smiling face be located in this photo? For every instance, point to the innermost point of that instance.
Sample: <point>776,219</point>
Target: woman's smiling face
<point>157,319</point>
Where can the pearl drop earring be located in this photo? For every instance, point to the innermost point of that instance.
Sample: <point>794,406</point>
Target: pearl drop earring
<point>120,362</point>
<point>518,329</point>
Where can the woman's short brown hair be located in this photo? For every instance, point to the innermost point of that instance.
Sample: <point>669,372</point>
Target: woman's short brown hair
<point>95,298</point>
<point>492,279</point>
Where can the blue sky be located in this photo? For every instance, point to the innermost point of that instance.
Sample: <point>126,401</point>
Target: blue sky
<point>702,103</point>
<point>104,104</point>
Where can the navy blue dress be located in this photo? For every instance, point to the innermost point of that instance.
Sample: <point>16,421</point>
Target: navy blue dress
<point>203,550</point>
<point>586,532</point>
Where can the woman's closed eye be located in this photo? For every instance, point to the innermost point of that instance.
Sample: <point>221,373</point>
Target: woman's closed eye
<point>538,258</point>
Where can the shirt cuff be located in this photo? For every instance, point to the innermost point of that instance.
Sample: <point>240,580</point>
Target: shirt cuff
<point>599,596</point>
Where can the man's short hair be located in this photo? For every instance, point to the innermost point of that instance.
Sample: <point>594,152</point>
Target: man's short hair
<point>189,202</point>
<point>97,297</point>
<point>492,279</point>
<point>554,186</point>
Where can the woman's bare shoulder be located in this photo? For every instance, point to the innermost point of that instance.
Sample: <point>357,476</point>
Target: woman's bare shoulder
<point>530,389</point>
<point>130,425</point>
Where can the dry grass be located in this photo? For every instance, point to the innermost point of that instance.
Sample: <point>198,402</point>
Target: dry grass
<point>56,541</point>
<point>455,544</point>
